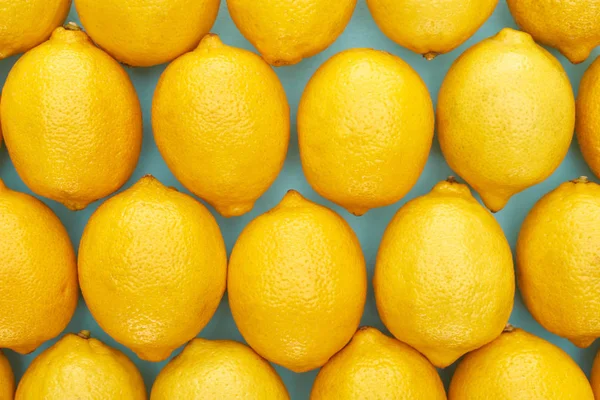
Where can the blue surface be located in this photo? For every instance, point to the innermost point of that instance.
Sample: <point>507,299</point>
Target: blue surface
<point>361,32</point>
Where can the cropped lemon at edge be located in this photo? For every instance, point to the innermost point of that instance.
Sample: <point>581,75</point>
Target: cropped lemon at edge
<point>595,376</point>
<point>144,33</point>
<point>519,365</point>
<point>87,153</point>
<point>80,367</point>
<point>38,275</point>
<point>221,122</point>
<point>297,283</point>
<point>27,23</point>
<point>218,369</point>
<point>505,116</point>
<point>286,31</point>
<point>152,268</point>
<point>430,27</point>
<point>572,27</point>
<point>374,366</point>
<point>444,279</point>
<point>557,261</point>
<point>7,378</point>
<point>365,129</point>
<point>588,116</point>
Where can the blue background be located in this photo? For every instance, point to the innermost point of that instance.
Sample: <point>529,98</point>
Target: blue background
<point>361,32</point>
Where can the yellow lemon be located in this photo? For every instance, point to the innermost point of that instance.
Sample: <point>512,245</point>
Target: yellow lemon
<point>595,376</point>
<point>218,369</point>
<point>557,261</point>
<point>297,284</point>
<point>573,27</point>
<point>287,31</point>
<point>588,116</point>
<point>365,127</point>
<point>38,273</point>
<point>143,33</point>
<point>430,27</point>
<point>374,366</point>
<point>444,280</point>
<point>78,367</point>
<point>519,366</point>
<point>506,116</point>
<point>7,379</point>
<point>27,23</point>
<point>71,120</point>
<point>152,268</point>
<point>222,123</point>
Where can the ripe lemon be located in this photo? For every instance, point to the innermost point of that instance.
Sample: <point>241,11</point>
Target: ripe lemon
<point>27,23</point>
<point>573,27</point>
<point>222,123</point>
<point>152,268</point>
<point>430,27</point>
<point>78,367</point>
<point>519,366</point>
<point>287,31</point>
<point>557,261</point>
<point>297,284</point>
<point>218,369</point>
<point>444,280</point>
<point>365,127</point>
<point>38,275</point>
<point>595,376</point>
<point>506,116</point>
<point>374,366</point>
<point>7,379</point>
<point>71,120</point>
<point>588,116</point>
<point>143,33</point>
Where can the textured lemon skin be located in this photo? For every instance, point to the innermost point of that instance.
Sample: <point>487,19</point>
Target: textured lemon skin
<point>218,369</point>
<point>519,366</point>
<point>588,116</point>
<point>7,379</point>
<point>444,279</point>
<point>27,23</point>
<point>297,284</point>
<point>38,275</point>
<point>506,115</point>
<point>373,366</point>
<point>430,27</point>
<point>287,31</point>
<point>572,27</point>
<point>557,258</point>
<point>595,376</point>
<point>152,268</point>
<point>222,123</point>
<point>79,368</point>
<point>143,33</point>
<point>365,127</point>
<point>71,120</point>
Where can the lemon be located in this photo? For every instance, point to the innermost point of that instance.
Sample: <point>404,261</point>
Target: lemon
<point>27,23</point>
<point>143,33</point>
<point>79,367</point>
<point>218,369</point>
<point>152,268</point>
<point>71,120</point>
<point>588,116</point>
<point>38,275</point>
<point>365,127</point>
<point>374,366</point>
<point>430,27</point>
<point>573,27</point>
<point>519,366</point>
<point>7,379</point>
<point>222,123</point>
<point>297,284</point>
<point>557,259</point>
<point>506,116</point>
<point>595,376</point>
<point>287,31</point>
<point>444,280</point>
